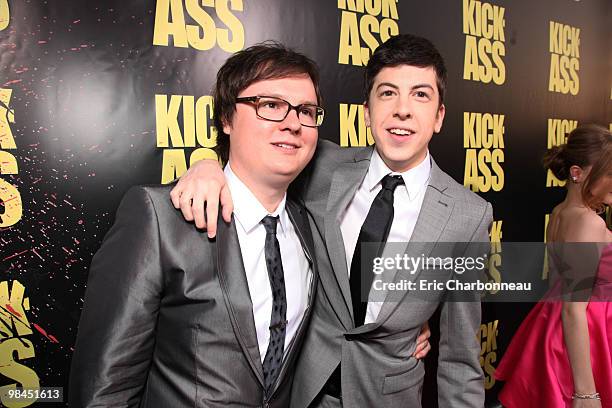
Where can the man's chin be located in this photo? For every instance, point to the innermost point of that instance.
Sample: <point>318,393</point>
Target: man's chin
<point>283,176</point>
<point>398,160</point>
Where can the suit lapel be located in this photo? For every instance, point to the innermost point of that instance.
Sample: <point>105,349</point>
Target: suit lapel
<point>297,215</point>
<point>345,181</point>
<point>234,285</point>
<point>434,215</point>
<point>435,211</point>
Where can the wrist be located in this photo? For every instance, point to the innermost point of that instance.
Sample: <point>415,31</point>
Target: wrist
<point>586,396</point>
<point>585,386</point>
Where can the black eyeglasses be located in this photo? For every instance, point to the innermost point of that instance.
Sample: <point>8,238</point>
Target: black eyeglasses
<point>277,109</point>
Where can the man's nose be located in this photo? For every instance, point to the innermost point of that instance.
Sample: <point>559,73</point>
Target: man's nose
<point>292,121</point>
<point>403,108</point>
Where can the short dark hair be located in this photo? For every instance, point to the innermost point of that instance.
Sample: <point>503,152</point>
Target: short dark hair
<point>406,49</point>
<point>587,145</point>
<point>268,60</point>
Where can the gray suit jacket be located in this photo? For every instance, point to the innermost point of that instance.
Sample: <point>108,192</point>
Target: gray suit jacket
<point>168,320</point>
<point>377,370</point>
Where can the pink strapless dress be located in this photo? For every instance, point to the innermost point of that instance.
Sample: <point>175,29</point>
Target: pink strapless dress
<point>536,366</point>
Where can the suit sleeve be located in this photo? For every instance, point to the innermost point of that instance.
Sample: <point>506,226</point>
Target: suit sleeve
<point>116,333</point>
<point>460,376</point>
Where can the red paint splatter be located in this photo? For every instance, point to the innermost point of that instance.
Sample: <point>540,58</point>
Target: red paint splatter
<point>15,81</point>
<point>15,254</point>
<point>12,198</point>
<point>44,333</point>
<point>13,311</point>
<point>37,254</point>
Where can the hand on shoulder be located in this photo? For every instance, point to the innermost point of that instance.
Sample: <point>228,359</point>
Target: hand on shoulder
<point>199,192</point>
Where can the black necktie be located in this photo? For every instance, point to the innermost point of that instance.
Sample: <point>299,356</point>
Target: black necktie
<point>278,321</point>
<point>375,229</point>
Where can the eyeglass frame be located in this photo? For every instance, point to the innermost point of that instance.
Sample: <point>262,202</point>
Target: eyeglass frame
<point>255,100</point>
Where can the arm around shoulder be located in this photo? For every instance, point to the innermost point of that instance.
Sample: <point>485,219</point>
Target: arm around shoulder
<point>204,185</point>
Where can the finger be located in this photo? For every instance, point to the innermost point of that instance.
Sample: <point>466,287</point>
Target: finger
<point>420,345</point>
<point>197,209</point>
<point>212,211</point>
<point>421,349</point>
<point>227,204</point>
<point>185,204</point>
<point>425,330</point>
<point>175,196</point>
<point>423,337</point>
<point>421,341</point>
<point>423,353</point>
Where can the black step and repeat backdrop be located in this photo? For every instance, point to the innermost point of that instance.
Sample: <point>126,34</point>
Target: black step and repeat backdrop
<point>97,96</point>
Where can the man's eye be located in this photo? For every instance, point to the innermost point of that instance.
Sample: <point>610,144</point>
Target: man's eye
<point>387,93</point>
<point>421,94</point>
<point>307,112</point>
<point>270,105</point>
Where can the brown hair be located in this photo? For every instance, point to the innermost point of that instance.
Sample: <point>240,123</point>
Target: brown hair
<point>268,60</point>
<point>587,145</point>
<point>406,49</point>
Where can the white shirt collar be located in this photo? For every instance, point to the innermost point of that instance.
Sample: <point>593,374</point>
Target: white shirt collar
<point>248,211</point>
<point>415,179</point>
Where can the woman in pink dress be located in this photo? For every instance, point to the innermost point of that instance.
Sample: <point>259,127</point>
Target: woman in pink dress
<point>561,356</point>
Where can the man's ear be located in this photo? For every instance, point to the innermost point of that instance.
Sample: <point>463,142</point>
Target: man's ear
<point>227,126</point>
<point>366,111</point>
<point>439,118</point>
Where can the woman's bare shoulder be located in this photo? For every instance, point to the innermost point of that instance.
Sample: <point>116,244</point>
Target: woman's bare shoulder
<point>584,226</point>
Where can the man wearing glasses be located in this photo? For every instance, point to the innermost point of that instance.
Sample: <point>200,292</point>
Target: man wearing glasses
<point>173,319</point>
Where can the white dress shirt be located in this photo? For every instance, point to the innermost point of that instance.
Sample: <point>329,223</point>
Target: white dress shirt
<point>407,201</point>
<point>248,213</point>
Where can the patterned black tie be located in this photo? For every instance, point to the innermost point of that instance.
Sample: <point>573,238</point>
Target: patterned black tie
<point>278,322</point>
<point>375,229</point>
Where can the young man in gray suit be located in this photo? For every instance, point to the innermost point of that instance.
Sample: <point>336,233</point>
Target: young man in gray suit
<point>356,353</point>
<point>173,319</point>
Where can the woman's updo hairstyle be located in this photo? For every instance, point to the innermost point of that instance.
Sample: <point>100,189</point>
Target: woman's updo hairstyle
<point>587,145</point>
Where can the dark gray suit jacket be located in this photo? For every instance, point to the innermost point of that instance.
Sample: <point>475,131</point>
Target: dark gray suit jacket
<point>168,320</point>
<point>377,367</point>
